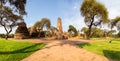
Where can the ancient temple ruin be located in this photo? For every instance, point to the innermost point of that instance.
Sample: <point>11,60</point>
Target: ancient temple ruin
<point>22,31</point>
<point>59,25</point>
<point>59,28</point>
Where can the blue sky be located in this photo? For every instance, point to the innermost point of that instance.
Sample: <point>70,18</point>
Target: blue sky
<point>67,10</point>
<point>52,9</point>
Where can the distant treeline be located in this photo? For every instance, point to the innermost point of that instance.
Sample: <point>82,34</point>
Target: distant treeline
<point>9,36</point>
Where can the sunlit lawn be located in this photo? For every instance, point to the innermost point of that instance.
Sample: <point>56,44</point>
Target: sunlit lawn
<point>15,51</point>
<point>109,50</point>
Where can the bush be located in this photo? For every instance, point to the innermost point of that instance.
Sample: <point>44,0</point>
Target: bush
<point>2,35</point>
<point>9,36</point>
<point>118,35</point>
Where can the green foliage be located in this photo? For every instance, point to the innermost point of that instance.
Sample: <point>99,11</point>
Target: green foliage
<point>115,22</point>
<point>9,36</point>
<point>118,35</point>
<point>16,51</point>
<point>91,10</point>
<point>97,32</point>
<point>17,6</point>
<point>84,30</point>
<point>2,35</point>
<point>111,33</point>
<point>110,50</point>
<point>72,30</point>
<point>12,12</point>
<point>43,23</point>
<point>38,27</point>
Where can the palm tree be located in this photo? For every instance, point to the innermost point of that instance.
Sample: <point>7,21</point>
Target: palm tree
<point>92,10</point>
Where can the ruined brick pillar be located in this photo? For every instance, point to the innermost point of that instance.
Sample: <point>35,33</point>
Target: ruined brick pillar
<point>59,25</point>
<point>59,28</point>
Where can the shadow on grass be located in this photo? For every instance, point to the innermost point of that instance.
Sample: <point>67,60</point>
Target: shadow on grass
<point>27,49</point>
<point>83,44</point>
<point>112,54</point>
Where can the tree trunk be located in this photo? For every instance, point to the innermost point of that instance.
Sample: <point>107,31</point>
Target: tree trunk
<point>6,37</point>
<point>89,30</point>
<point>89,33</point>
<point>8,32</point>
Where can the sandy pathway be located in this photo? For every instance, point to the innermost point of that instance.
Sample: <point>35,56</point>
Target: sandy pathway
<point>63,51</point>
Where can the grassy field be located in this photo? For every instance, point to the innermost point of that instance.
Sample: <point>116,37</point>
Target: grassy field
<point>15,51</point>
<point>109,50</point>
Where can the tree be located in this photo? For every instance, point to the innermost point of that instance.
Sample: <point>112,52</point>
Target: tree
<point>8,19</point>
<point>97,32</point>
<point>118,35</point>
<point>92,10</point>
<point>43,23</point>
<point>84,30</point>
<point>110,32</point>
<point>116,22</point>
<point>11,11</point>
<point>72,30</point>
<point>16,5</point>
<point>39,25</point>
<point>53,30</point>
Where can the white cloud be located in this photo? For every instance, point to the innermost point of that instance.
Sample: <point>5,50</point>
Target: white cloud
<point>113,7</point>
<point>73,17</point>
<point>2,30</point>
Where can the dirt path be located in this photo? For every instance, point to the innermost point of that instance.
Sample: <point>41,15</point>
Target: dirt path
<point>63,51</point>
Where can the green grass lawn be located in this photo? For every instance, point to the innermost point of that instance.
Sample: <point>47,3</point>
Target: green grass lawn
<point>15,51</point>
<point>109,50</point>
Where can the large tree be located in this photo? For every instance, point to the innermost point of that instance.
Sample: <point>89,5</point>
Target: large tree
<point>8,19</point>
<point>94,14</point>
<point>45,22</point>
<point>16,5</point>
<point>11,11</point>
<point>40,25</point>
<point>116,23</point>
